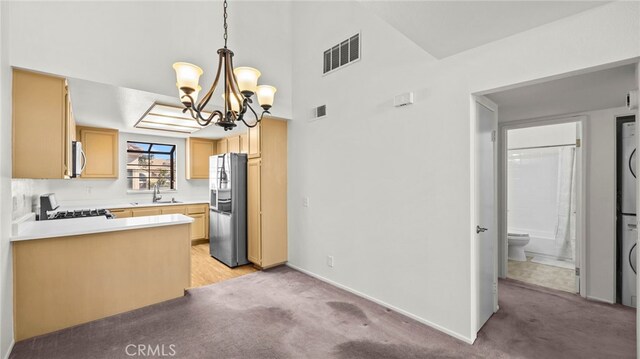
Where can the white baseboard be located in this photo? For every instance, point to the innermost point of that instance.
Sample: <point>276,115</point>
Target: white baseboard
<point>6,355</point>
<point>395,309</point>
<point>590,297</point>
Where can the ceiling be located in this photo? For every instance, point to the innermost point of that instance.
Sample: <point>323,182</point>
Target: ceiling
<point>586,92</point>
<point>101,105</point>
<point>445,28</point>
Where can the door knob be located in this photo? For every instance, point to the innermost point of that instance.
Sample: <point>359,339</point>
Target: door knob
<point>480,229</point>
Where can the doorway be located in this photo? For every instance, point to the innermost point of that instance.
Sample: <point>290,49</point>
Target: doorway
<point>541,184</point>
<point>591,99</point>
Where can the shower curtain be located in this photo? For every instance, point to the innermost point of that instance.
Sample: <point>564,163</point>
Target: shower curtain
<point>565,230</point>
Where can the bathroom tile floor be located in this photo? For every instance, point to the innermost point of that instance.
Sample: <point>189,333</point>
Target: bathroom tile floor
<point>543,275</point>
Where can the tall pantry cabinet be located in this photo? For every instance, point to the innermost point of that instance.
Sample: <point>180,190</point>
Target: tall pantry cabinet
<point>267,193</point>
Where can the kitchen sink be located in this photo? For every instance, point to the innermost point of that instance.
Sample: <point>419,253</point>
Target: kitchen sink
<point>152,203</point>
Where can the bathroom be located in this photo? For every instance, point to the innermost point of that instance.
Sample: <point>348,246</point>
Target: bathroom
<point>541,178</point>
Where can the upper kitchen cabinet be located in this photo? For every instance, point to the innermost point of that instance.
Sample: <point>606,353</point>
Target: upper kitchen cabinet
<point>198,152</point>
<point>43,126</point>
<point>244,143</point>
<point>254,145</point>
<point>233,144</point>
<point>222,146</point>
<point>100,146</point>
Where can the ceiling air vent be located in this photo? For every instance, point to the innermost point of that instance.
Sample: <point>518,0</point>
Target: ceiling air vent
<point>341,54</point>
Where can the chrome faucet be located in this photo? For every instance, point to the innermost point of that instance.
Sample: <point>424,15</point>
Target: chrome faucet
<point>156,193</point>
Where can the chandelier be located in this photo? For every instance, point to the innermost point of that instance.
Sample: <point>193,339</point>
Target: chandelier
<point>240,84</point>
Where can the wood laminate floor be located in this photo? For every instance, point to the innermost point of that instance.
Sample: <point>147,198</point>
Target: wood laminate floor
<point>207,270</point>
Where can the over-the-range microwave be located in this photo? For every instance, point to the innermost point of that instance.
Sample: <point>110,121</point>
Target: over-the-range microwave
<point>78,159</point>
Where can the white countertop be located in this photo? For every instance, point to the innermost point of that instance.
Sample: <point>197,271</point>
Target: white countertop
<point>79,226</point>
<point>68,206</point>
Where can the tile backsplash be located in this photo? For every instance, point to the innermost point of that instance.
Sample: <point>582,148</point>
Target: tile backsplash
<point>22,197</point>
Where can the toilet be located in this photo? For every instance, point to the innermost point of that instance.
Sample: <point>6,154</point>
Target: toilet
<point>516,242</point>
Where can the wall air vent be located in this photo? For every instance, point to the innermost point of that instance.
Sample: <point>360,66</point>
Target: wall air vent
<point>319,112</point>
<point>341,54</point>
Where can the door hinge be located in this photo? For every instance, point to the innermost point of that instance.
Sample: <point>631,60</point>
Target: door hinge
<point>578,142</point>
<point>577,272</point>
<point>493,136</point>
<point>495,287</point>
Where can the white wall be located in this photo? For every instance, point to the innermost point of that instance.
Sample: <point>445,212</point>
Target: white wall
<point>94,193</point>
<point>6,274</point>
<point>389,188</point>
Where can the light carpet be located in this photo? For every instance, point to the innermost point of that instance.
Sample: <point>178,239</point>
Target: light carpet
<point>282,313</point>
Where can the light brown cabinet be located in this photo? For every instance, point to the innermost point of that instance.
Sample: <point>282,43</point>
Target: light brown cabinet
<point>267,196</point>
<point>198,152</point>
<point>122,213</point>
<point>222,146</point>
<point>199,226</point>
<point>43,126</point>
<point>100,146</point>
<point>143,212</point>
<point>199,212</point>
<point>233,144</point>
<point>254,147</point>
<point>254,213</point>
<point>173,210</point>
<point>244,143</point>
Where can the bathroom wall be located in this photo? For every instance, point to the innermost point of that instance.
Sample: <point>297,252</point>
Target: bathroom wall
<point>539,185</point>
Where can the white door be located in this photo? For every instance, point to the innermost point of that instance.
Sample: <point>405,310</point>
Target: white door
<point>486,218</point>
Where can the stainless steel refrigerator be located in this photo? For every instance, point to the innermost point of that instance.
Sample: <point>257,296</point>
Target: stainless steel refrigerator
<point>228,208</point>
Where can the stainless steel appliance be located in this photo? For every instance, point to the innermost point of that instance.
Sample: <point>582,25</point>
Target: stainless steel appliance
<point>49,205</point>
<point>627,227</point>
<point>78,159</point>
<point>228,208</point>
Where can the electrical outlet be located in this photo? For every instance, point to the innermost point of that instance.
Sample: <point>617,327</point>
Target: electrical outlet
<point>305,202</point>
<point>330,261</point>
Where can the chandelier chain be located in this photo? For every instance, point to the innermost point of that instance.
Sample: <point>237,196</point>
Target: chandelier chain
<point>225,24</point>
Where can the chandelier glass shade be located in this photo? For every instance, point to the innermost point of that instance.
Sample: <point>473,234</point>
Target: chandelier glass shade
<point>239,86</point>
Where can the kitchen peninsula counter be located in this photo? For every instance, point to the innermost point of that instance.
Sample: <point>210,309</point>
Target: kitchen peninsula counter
<point>81,226</point>
<point>72,271</point>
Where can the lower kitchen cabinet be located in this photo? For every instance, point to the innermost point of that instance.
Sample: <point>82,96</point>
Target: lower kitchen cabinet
<point>172,210</point>
<point>199,213</point>
<point>143,212</point>
<point>254,215</point>
<point>122,213</point>
<point>199,226</point>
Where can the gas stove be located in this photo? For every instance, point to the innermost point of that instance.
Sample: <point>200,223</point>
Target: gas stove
<point>81,213</point>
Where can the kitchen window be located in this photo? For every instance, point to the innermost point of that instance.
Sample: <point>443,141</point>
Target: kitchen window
<point>149,164</point>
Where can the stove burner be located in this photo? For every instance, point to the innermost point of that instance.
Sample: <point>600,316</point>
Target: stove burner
<point>82,213</point>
